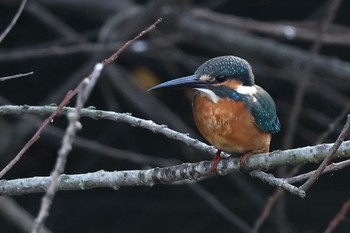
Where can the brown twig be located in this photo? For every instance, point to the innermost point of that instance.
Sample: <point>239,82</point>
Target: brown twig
<point>37,134</point>
<point>127,44</point>
<point>330,168</point>
<point>332,126</point>
<point>339,217</point>
<point>271,201</point>
<point>14,20</point>
<point>329,158</point>
<point>67,99</point>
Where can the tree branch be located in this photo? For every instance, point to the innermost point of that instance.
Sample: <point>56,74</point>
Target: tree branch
<point>170,174</point>
<point>109,115</point>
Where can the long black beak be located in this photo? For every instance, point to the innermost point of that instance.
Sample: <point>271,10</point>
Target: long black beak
<point>189,81</point>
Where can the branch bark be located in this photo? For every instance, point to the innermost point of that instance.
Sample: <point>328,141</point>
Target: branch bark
<point>191,171</point>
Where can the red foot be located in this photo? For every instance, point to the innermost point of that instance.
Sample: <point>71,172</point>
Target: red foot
<point>243,160</point>
<point>216,160</point>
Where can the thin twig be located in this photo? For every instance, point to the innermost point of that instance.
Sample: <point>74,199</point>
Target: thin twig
<point>128,43</point>
<point>330,168</point>
<point>339,217</point>
<point>66,100</point>
<point>271,201</point>
<point>57,50</point>
<point>329,158</point>
<point>85,89</point>
<point>13,21</point>
<point>4,78</point>
<point>332,126</point>
<point>37,134</point>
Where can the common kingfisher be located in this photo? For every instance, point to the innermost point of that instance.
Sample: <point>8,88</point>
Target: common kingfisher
<point>229,110</point>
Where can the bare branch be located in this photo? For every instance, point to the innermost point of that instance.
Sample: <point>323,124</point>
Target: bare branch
<point>191,171</point>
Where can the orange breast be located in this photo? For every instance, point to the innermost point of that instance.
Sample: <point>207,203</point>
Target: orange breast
<point>229,126</point>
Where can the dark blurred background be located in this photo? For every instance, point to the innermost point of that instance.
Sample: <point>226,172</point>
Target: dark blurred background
<point>61,40</point>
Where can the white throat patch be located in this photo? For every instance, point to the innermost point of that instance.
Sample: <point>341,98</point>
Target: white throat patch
<point>246,90</point>
<point>210,94</point>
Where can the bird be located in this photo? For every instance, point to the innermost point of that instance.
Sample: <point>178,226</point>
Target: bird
<point>230,111</point>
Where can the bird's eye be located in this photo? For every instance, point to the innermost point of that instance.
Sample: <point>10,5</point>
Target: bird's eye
<point>221,78</point>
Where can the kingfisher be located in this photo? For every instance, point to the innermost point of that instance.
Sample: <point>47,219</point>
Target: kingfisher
<point>230,111</point>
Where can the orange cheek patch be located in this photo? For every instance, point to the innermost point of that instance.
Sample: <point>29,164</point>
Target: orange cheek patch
<point>233,84</point>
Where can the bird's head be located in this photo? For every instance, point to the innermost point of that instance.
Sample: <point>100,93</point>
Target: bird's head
<point>216,77</point>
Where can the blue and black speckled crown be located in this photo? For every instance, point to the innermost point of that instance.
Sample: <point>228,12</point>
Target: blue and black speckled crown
<point>229,66</point>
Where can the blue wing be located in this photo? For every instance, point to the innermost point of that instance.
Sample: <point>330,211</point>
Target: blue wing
<point>263,109</point>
